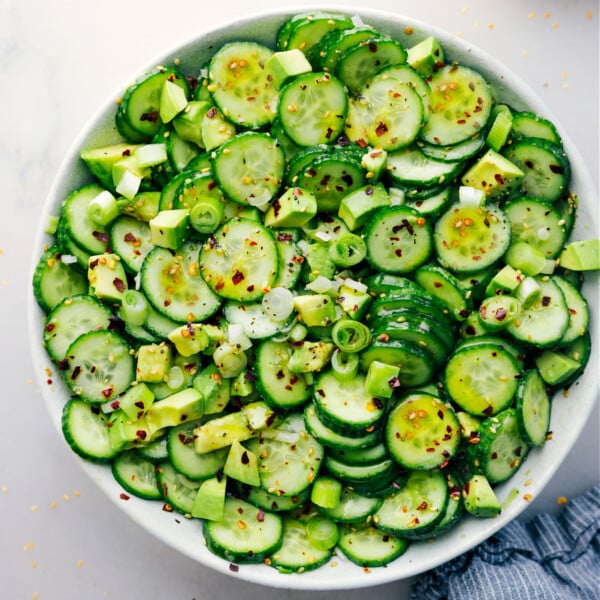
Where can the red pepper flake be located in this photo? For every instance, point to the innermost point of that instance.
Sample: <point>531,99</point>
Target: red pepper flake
<point>499,179</point>
<point>372,46</point>
<point>260,516</point>
<point>151,117</point>
<point>237,277</point>
<point>546,301</point>
<point>124,496</point>
<point>119,284</point>
<point>129,237</point>
<point>381,129</point>
<point>115,405</point>
<point>108,392</point>
<point>422,506</point>
<point>141,434</point>
<point>76,372</point>
<point>233,568</point>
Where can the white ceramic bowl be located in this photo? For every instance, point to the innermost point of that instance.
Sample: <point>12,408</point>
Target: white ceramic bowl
<point>569,413</point>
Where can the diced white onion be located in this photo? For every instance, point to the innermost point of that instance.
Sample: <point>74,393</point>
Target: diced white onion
<point>261,202</point>
<point>150,155</point>
<point>278,303</point>
<point>357,286</point>
<point>323,236</point>
<point>68,259</point>
<point>549,267</point>
<point>237,336</point>
<point>357,21</point>
<point>397,196</point>
<point>320,285</point>
<point>470,196</point>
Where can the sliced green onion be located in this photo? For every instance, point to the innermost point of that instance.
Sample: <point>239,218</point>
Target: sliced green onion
<point>348,250</point>
<point>344,364</point>
<point>500,129</point>
<point>381,379</point>
<point>326,492</point>
<point>176,378</point>
<point>51,225</point>
<point>528,291</point>
<point>134,307</point>
<point>497,312</point>
<point>150,155</point>
<point>350,336</point>
<point>322,533</point>
<point>297,333</point>
<point>103,208</point>
<point>230,359</point>
<point>206,214</point>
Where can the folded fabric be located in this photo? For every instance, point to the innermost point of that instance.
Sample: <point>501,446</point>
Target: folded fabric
<point>547,558</point>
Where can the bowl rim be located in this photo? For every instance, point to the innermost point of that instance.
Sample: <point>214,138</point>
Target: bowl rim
<point>347,575</point>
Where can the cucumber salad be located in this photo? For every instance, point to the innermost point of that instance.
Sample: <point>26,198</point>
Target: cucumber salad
<point>318,296</point>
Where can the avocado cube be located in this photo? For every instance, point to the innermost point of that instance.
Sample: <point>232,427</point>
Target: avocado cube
<point>209,502</point>
<point>282,66</point>
<point>127,175</point>
<point>556,367</point>
<point>151,155</point>
<point>494,174</point>
<point>308,357</point>
<point>381,378</point>
<point>317,261</point>
<point>242,465</point>
<point>221,432</point>
<point>241,385</point>
<point>107,277</point>
<point>182,406</point>
<point>356,208</point>
<point>294,208</point>
<point>188,123</point>
<point>189,339</point>
<point>374,163</point>
<point>480,498</point>
<point>124,432</point>
<point>136,401</point>
<point>170,228</point>
<point>581,255</point>
<point>315,310</point>
<point>153,363</point>
<point>172,101</point>
<point>426,57</point>
<point>214,388</point>
<point>100,161</point>
<point>216,130</point>
<point>143,206</point>
<point>354,302</point>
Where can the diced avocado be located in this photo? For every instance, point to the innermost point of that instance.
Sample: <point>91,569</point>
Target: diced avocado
<point>242,465</point>
<point>582,255</point>
<point>127,175</point>
<point>136,401</point>
<point>170,228</point>
<point>143,206</point>
<point>356,208</point>
<point>189,339</point>
<point>214,388</point>
<point>315,310</point>
<point>354,303</point>
<point>317,261</point>
<point>185,405</point>
<point>209,502</point>
<point>151,155</point>
<point>172,101</point>
<point>216,130</point>
<point>100,161</point>
<point>282,66</point>
<point>107,277</point>
<point>469,424</point>
<point>221,432</point>
<point>374,163</point>
<point>307,357</point>
<point>153,363</point>
<point>242,385</point>
<point>556,367</point>
<point>480,498</point>
<point>124,431</point>
<point>294,208</point>
<point>494,174</point>
<point>259,415</point>
<point>506,280</point>
<point>426,57</point>
<point>380,378</point>
<point>188,123</point>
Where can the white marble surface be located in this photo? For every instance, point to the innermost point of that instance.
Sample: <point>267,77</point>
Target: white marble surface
<point>60,539</point>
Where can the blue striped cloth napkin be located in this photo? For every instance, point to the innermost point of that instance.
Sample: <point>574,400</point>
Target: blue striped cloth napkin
<point>547,558</point>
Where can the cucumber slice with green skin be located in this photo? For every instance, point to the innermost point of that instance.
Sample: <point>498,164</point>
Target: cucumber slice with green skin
<point>345,406</point>
<point>509,345</point>
<point>431,203</point>
<point>362,456</point>
<point>332,439</point>
<point>71,318</point>
<point>277,384</point>
<point>158,325</point>
<point>154,451</point>
<point>460,105</point>
<point>398,239</point>
<point>240,86</point>
<point>526,124</point>
<point>538,223</point>
<point>290,260</point>
<point>131,240</point>
<point>170,191</point>
<point>359,63</point>
<point>89,236</point>
<point>136,475</point>
<point>296,553</point>
<point>369,547</point>
<point>240,260</point>
<point>54,280</point>
<point>336,42</point>
<point>308,29</point>
<point>246,534</point>
<point>171,282</point>
<point>545,165</point>
<point>404,73</point>
<point>580,351</point>
<point>312,108</point>
<point>289,458</point>
<point>482,379</point>
<point>417,507</point>
<point>185,460</point>
<point>579,313</point>
<point>456,152</point>
<point>395,112</point>
<point>443,285</point>
<point>100,366</point>
<point>545,322</point>
<point>195,186</point>
<point>411,167</point>
<point>139,107</point>
<point>249,168</point>
<point>422,432</point>
<point>471,238</point>
<point>501,449</point>
<point>352,507</point>
<point>178,491</point>
<point>84,427</point>
<point>254,319</point>
<point>376,476</point>
<point>69,247</point>
<point>272,502</point>
<point>416,366</point>
<point>533,408</point>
